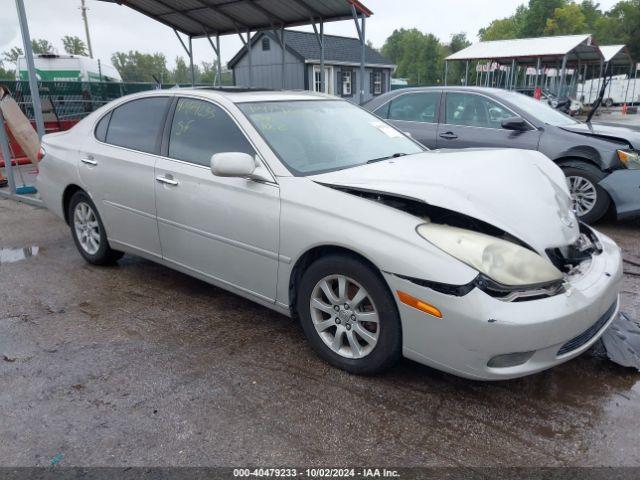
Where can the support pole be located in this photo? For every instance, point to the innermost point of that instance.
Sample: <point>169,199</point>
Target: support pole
<point>250,59</point>
<point>563,74</point>
<point>635,82</point>
<point>513,74</point>
<point>323,80</point>
<point>626,93</point>
<point>537,72</point>
<point>84,9</point>
<point>362,60</point>
<point>283,47</point>
<point>33,81</point>
<point>466,74</point>
<point>6,154</point>
<point>446,72</point>
<point>193,71</point>
<point>219,60</point>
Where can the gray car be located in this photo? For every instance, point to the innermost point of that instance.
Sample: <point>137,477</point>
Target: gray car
<point>600,162</point>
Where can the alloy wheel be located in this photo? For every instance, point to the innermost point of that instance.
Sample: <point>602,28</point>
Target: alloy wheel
<point>87,228</point>
<point>583,194</point>
<point>345,316</point>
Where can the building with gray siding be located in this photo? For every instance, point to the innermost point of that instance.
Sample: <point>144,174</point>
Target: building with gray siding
<point>302,65</point>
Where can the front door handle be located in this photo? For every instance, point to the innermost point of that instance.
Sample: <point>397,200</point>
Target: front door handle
<point>166,180</point>
<point>449,135</point>
<point>89,161</point>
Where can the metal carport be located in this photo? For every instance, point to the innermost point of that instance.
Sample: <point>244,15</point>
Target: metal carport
<point>560,52</point>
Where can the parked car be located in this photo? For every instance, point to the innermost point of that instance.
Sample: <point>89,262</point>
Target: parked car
<point>601,163</point>
<point>317,209</point>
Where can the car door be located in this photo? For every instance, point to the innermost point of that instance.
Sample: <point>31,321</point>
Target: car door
<point>223,228</point>
<point>415,114</point>
<point>475,120</point>
<point>117,169</point>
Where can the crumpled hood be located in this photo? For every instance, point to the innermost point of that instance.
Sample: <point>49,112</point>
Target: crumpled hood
<point>519,191</point>
<point>607,132</point>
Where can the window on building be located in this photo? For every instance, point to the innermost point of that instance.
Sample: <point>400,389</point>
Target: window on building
<point>200,129</point>
<point>347,83</point>
<point>266,44</point>
<point>377,82</point>
<point>317,80</point>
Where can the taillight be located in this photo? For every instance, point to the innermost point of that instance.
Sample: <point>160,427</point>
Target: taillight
<point>41,154</point>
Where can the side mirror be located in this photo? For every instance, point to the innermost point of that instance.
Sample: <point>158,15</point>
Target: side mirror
<point>515,123</point>
<point>239,165</point>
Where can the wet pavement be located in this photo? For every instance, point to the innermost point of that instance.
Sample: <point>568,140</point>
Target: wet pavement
<point>139,365</point>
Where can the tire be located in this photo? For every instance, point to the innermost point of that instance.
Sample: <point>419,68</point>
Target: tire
<point>608,103</point>
<point>366,357</point>
<point>85,223</point>
<point>582,179</point>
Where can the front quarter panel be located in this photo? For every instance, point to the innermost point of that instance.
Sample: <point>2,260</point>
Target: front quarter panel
<point>314,215</point>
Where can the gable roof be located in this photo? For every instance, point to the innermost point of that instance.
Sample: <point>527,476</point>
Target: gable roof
<point>524,49</point>
<point>305,46</point>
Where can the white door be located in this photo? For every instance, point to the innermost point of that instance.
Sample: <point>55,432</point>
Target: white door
<point>117,169</point>
<point>224,228</point>
<point>328,79</point>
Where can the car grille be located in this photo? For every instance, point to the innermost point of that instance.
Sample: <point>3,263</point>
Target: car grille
<point>588,334</point>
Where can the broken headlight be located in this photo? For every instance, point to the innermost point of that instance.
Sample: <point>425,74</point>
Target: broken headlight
<point>500,260</point>
<point>629,159</point>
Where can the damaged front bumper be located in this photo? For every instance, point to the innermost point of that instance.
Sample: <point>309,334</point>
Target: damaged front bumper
<point>623,186</point>
<point>476,328</point>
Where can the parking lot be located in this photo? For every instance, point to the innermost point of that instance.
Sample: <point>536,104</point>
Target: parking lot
<point>139,365</point>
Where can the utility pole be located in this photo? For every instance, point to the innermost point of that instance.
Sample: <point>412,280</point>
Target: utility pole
<point>83,8</point>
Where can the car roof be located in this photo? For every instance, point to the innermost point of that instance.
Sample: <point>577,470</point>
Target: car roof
<point>243,95</point>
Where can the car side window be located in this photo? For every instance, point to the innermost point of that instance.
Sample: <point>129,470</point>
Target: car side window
<point>475,111</point>
<point>101,128</point>
<point>138,124</point>
<point>415,107</point>
<point>201,129</point>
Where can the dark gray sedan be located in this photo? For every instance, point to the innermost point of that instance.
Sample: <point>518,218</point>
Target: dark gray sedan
<point>601,163</point>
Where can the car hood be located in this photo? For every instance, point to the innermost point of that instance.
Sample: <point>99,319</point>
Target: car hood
<point>519,191</point>
<point>607,132</point>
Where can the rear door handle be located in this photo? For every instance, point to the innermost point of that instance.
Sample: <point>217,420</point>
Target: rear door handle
<point>166,180</point>
<point>449,135</point>
<point>89,161</point>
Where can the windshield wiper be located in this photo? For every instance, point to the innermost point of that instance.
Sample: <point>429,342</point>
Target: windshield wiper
<point>388,157</point>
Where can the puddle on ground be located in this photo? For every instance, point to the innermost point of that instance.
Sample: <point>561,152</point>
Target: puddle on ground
<point>11,255</point>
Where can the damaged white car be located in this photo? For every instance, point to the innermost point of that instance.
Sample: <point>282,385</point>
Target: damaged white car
<point>468,261</point>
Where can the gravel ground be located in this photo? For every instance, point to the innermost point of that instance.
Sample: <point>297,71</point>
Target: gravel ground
<point>139,365</point>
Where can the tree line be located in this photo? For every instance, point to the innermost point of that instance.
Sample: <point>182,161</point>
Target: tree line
<point>418,55</point>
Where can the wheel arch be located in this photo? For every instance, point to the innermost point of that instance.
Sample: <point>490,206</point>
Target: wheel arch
<point>307,258</point>
<point>69,191</point>
<point>587,155</point>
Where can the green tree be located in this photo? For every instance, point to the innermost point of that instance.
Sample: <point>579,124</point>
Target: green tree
<point>505,28</point>
<point>5,73</point>
<point>535,19</point>
<point>456,72</point>
<point>624,20</point>
<point>181,73</point>
<point>42,46</point>
<point>74,45</point>
<point>567,20</point>
<point>11,56</point>
<point>592,13</point>
<point>419,57</point>
<point>135,66</point>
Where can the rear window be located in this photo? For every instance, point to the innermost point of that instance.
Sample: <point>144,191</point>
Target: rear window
<point>138,124</point>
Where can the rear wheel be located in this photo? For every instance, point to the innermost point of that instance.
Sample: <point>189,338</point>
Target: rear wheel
<point>590,200</point>
<point>88,231</point>
<point>349,315</point>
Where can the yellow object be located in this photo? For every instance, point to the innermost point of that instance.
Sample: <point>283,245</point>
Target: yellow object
<point>419,304</point>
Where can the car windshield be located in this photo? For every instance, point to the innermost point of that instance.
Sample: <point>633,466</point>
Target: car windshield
<point>539,109</point>
<point>316,136</point>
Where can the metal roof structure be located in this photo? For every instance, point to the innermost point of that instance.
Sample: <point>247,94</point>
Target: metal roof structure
<point>616,54</point>
<point>304,45</point>
<point>200,18</point>
<point>528,50</point>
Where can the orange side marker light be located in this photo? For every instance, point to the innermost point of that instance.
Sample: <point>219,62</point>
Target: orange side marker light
<point>419,304</point>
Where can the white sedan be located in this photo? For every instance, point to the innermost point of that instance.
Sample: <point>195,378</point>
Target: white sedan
<point>469,261</point>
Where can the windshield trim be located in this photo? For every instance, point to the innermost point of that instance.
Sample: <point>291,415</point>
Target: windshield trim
<point>296,173</point>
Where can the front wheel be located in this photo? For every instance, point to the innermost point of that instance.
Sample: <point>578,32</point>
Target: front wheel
<point>88,231</point>
<point>590,200</point>
<point>349,316</point>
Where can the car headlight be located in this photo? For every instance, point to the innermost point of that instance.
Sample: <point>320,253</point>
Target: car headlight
<point>502,261</point>
<point>629,159</point>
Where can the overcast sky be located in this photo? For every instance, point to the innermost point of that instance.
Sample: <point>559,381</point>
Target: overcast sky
<point>117,28</point>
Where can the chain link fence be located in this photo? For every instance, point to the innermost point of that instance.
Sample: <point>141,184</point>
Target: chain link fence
<point>73,100</point>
